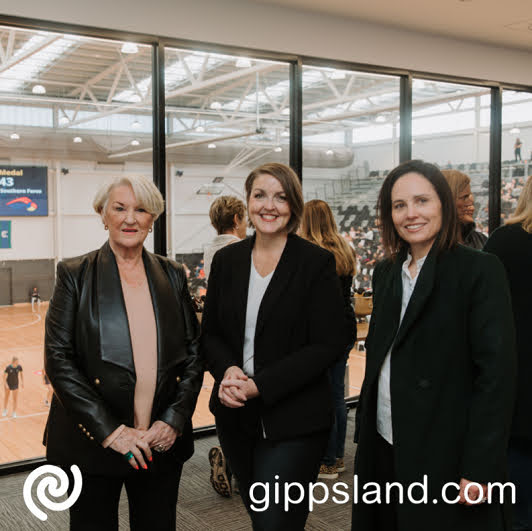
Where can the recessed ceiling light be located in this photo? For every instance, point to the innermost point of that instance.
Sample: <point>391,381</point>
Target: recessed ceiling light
<point>243,62</point>
<point>63,120</point>
<point>286,111</point>
<point>278,149</point>
<point>216,105</point>
<point>329,152</point>
<point>135,142</point>
<point>136,125</point>
<point>129,47</point>
<point>38,89</point>
<point>212,146</point>
<point>200,129</point>
<point>77,140</point>
<point>14,136</point>
<point>380,119</point>
<point>285,133</point>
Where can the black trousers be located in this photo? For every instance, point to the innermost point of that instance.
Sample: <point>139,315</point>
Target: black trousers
<point>270,465</point>
<point>152,496</point>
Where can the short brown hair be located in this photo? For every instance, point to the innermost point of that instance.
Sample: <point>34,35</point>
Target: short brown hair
<point>223,210</point>
<point>457,181</point>
<point>291,187</point>
<point>391,240</point>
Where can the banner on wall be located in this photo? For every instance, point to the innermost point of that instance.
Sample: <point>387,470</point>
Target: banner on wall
<point>5,234</point>
<point>23,191</point>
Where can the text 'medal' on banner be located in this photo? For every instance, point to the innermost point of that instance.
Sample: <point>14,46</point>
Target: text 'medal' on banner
<point>23,191</point>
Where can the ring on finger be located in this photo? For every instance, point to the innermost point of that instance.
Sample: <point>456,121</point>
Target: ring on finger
<point>160,448</point>
<point>129,455</point>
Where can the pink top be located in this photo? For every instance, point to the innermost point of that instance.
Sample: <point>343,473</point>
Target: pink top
<point>143,332</point>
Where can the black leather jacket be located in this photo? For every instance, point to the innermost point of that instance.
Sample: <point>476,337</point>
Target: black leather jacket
<point>89,361</point>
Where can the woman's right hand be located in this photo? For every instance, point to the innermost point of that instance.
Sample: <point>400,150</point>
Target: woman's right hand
<point>130,440</point>
<point>230,395</point>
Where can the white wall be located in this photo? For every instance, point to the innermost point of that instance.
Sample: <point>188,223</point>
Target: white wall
<point>286,30</point>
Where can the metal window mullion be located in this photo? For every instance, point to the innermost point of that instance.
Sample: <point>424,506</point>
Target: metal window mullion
<point>494,200</point>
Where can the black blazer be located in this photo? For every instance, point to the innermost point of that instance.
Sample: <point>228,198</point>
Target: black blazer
<point>452,384</point>
<point>89,361</point>
<point>300,333</point>
<point>513,245</point>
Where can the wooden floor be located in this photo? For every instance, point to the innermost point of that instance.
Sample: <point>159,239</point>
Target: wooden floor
<point>22,335</point>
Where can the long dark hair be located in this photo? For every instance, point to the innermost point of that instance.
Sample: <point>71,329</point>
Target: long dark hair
<point>447,237</point>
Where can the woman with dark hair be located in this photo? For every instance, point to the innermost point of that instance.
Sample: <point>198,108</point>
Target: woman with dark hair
<point>460,185</point>
<point>438,391</point>
<point>512,244</point>
<point>272,326</point>
<point>318,226</point>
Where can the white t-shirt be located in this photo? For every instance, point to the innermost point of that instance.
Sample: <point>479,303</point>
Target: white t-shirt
<point>384,398</point>
<point>256,290</point>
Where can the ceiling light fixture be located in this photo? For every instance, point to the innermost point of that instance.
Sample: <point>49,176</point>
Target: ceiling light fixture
<point>14,136</point>
<point>38,89</point>
<point>285,111</point>
<point>337,74</point>
<point>77,140</point>
<point>63,120</point>
<point>216,105</point>
<point>243,62</point>
<point>135,98</point>
<point>380,119</point>
<point>136,125</point>
<point>212,146</point>
<point>329,152</point>
<point>515,131</point>
<point>135,143</point>
<point>278,149</point>
<point>285,133</point>
<point>200,129</point>
<point>129,47</point>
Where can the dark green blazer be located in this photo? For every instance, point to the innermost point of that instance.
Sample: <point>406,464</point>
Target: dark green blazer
<point>453,375</point>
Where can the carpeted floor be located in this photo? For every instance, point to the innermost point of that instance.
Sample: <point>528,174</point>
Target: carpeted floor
<point>199,507</point>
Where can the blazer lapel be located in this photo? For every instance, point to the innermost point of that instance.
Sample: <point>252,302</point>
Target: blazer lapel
<point>168,314</point>
<point>278,283</point>
<point>241,269</point>
<point>420,296</point>
<point>115,339</point>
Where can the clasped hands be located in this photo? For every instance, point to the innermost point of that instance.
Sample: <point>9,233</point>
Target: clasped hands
<point>141,442</point>
<point>236,388</point>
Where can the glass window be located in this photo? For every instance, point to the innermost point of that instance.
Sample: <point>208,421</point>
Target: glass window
<point>70,107</point>
<point>350,142</point>
<point>516,148</point>
<point>450,128</point>
<point>225,115</point>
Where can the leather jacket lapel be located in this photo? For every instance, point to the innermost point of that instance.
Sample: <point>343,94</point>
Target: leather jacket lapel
<point>168,314</point>
<point>115,339</point>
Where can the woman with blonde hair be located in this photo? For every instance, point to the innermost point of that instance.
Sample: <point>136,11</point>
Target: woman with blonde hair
<point>512,243</point>
<point>318,226</point>
<point>460,185</point>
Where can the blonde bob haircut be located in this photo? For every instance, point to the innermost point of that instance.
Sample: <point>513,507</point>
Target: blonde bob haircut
<point>523,211</point>
<point>318,226</point>
<point>146,193</point>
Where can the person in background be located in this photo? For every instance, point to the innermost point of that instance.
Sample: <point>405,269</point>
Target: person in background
<point>35,299</point>
<point>438,392</point>
<point>460,185</point>
<point>512,244</point>
<point>517,149</point>
<point>318,226</point>
<point>273,324</point>
<point>11,382</point>
<point>228,217</point>
<point>121,352</point>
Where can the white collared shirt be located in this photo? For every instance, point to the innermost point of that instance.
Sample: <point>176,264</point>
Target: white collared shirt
<point>384,399</point>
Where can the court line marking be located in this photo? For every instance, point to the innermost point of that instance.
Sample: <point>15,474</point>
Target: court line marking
<point>39,318</point>
<point>9,417</point>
